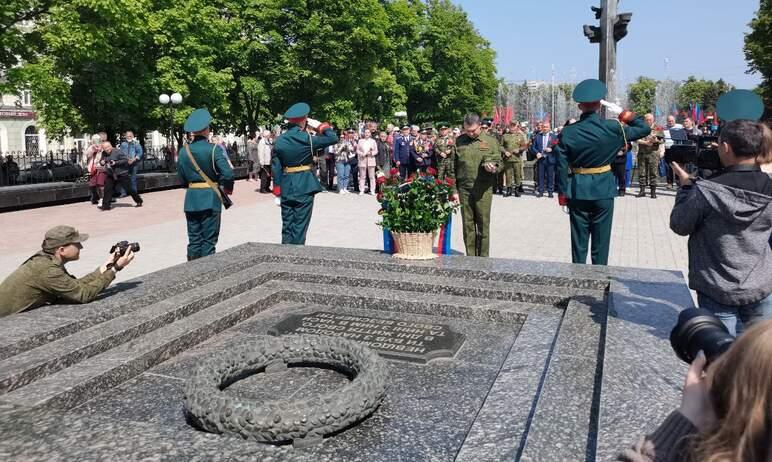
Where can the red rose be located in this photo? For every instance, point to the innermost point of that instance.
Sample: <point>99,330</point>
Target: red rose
<point>554,142</point>
<point>394,171</point>
<point>431,171</point>
<point>381,180</point>
<point>379,197</point>
<point>450,181</point>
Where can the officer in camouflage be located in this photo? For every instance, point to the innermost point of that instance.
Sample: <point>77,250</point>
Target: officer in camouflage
<point>648,158</point>
<point>474,170</point>
<point>444,151</point>
<point>512,145</point>
<point>294,180</point>
<point>42,279</point>
<point>585,152</point>
<point>203,167</point>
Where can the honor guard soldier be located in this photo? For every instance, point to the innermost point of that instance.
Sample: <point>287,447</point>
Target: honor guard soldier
<point>474,170</point>
<point>512,145</point>
<point>585,152</point>
<point>444,151</point>
<point>294,180</point>
<point>206,172</point>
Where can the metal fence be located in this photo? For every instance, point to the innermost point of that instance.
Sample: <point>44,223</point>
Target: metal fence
<point>18,168</point>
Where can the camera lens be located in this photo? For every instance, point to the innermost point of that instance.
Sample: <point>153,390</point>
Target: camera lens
<point>698,329</point>
<point>135,247</point>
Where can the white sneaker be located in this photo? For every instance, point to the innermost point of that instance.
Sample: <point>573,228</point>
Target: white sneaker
<point>361,193</point>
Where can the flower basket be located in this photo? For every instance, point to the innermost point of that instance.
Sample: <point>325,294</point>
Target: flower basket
<point>414,210</point>
<point>413,246</point>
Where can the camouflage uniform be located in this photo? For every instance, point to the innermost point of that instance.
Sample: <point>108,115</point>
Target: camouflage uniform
<point>648,163</point>
<point>445,146</point>
<point>513,165</point>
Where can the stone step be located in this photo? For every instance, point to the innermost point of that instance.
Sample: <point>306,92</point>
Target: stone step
<point>82,381</point>
<point>27,330</point>
<point>468,287</point>
<point>46,359</point>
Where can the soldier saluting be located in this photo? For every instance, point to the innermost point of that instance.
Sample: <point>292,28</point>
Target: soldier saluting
<point>294,180</point>
<point>585,152</point>
<point>203,167</point>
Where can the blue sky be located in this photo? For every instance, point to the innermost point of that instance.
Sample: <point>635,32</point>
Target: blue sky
<point>700,37</point>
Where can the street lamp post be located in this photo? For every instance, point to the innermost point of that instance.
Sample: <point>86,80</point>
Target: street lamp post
<point>170,101</point>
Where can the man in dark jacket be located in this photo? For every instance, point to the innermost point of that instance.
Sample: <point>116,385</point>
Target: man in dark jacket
<point>728,219</point>
<point>117,164</point>
<point>401,152</point>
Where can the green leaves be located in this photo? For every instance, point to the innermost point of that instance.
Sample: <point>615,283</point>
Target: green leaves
<point>422,205</point>
<point>101,64</point>
<point>758,48</point>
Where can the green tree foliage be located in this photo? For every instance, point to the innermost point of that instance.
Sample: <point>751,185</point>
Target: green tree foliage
<point>758,48</point>
<point>704,92</point>
<point>17,40</point>
<point>641,95</point>
<point>101,64</point>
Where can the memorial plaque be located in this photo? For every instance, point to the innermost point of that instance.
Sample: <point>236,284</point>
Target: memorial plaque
<point>391,338</point>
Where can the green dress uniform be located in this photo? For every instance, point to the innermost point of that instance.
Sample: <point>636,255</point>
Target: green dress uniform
<point>445,153</point>
<point>585,151</point>
<point>474,186</point>
<point>294,178</point>
<point>202,204</point>
<point>513,143</point>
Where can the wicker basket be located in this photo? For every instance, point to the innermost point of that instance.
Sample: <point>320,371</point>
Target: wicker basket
<point>413,246</point>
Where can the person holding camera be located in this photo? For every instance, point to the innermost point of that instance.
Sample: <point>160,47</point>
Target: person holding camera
<point>726,408</point>
<point>117,168</point>
<point>728,219</point>
<point>43,279</point>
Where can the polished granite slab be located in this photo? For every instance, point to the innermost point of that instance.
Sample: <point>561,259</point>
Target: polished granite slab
<point>550,361</point>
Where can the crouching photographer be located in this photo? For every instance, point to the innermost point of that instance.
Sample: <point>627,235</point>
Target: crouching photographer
<point>728,219</point>
<point>43,279</point>
<point>726,406</point>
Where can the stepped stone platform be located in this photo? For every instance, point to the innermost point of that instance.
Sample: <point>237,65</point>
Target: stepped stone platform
<point>487,359</point>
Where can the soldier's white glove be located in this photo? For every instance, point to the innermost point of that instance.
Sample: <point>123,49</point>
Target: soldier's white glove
<point>313,123</point>
<point>277,201</point>
<point>613,107</point>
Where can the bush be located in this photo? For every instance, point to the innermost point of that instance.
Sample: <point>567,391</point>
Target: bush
<point>420,205</point>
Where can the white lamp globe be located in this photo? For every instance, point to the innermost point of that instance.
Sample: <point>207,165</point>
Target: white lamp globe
<point>176,98</point>
<point>163,99</point>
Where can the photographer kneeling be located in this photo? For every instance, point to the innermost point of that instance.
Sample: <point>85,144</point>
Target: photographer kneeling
<point>42,279</point>
<point>728,219</point>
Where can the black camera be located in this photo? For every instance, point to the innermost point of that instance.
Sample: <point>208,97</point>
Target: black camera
<point>698,329</point>
<point>124,246</point>
<point>701,151</point>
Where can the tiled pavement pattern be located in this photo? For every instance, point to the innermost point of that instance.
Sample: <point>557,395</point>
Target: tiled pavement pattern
<point>521,228</point>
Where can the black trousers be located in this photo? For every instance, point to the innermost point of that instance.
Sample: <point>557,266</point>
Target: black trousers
<point>355,177</point>
<point>265,178</point>
<point>122,181</point>
<point>620,172</point>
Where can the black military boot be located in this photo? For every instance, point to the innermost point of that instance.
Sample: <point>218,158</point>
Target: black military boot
<point>642,192</point>
<point>518,191</point>
<point>653,192</point>
<point>508,192</point>
<point>622,192</point>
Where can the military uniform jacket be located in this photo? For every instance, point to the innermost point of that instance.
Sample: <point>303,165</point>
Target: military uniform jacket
<point>445,145</point>
<point>593,142</point>
<point>647,150</point>
<point>294,149</point>
<point>471,154</point>
<point>42,279</point>
<point>214,163</point>
<point>512,143</point>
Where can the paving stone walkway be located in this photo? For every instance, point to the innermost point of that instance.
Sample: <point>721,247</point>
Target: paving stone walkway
<point>523,228</point>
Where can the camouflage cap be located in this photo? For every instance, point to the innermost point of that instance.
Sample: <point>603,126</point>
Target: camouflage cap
<point>60,236</point>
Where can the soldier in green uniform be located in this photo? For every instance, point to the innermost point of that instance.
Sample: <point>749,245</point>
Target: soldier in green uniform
<point>512,144</point>
<point>203,167</point>
<point>42,279</point>
<point>474,170</point>
<point>294,179</point>
<point>585,152</point>
<point>444,151</point>
<point>648,158</point>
